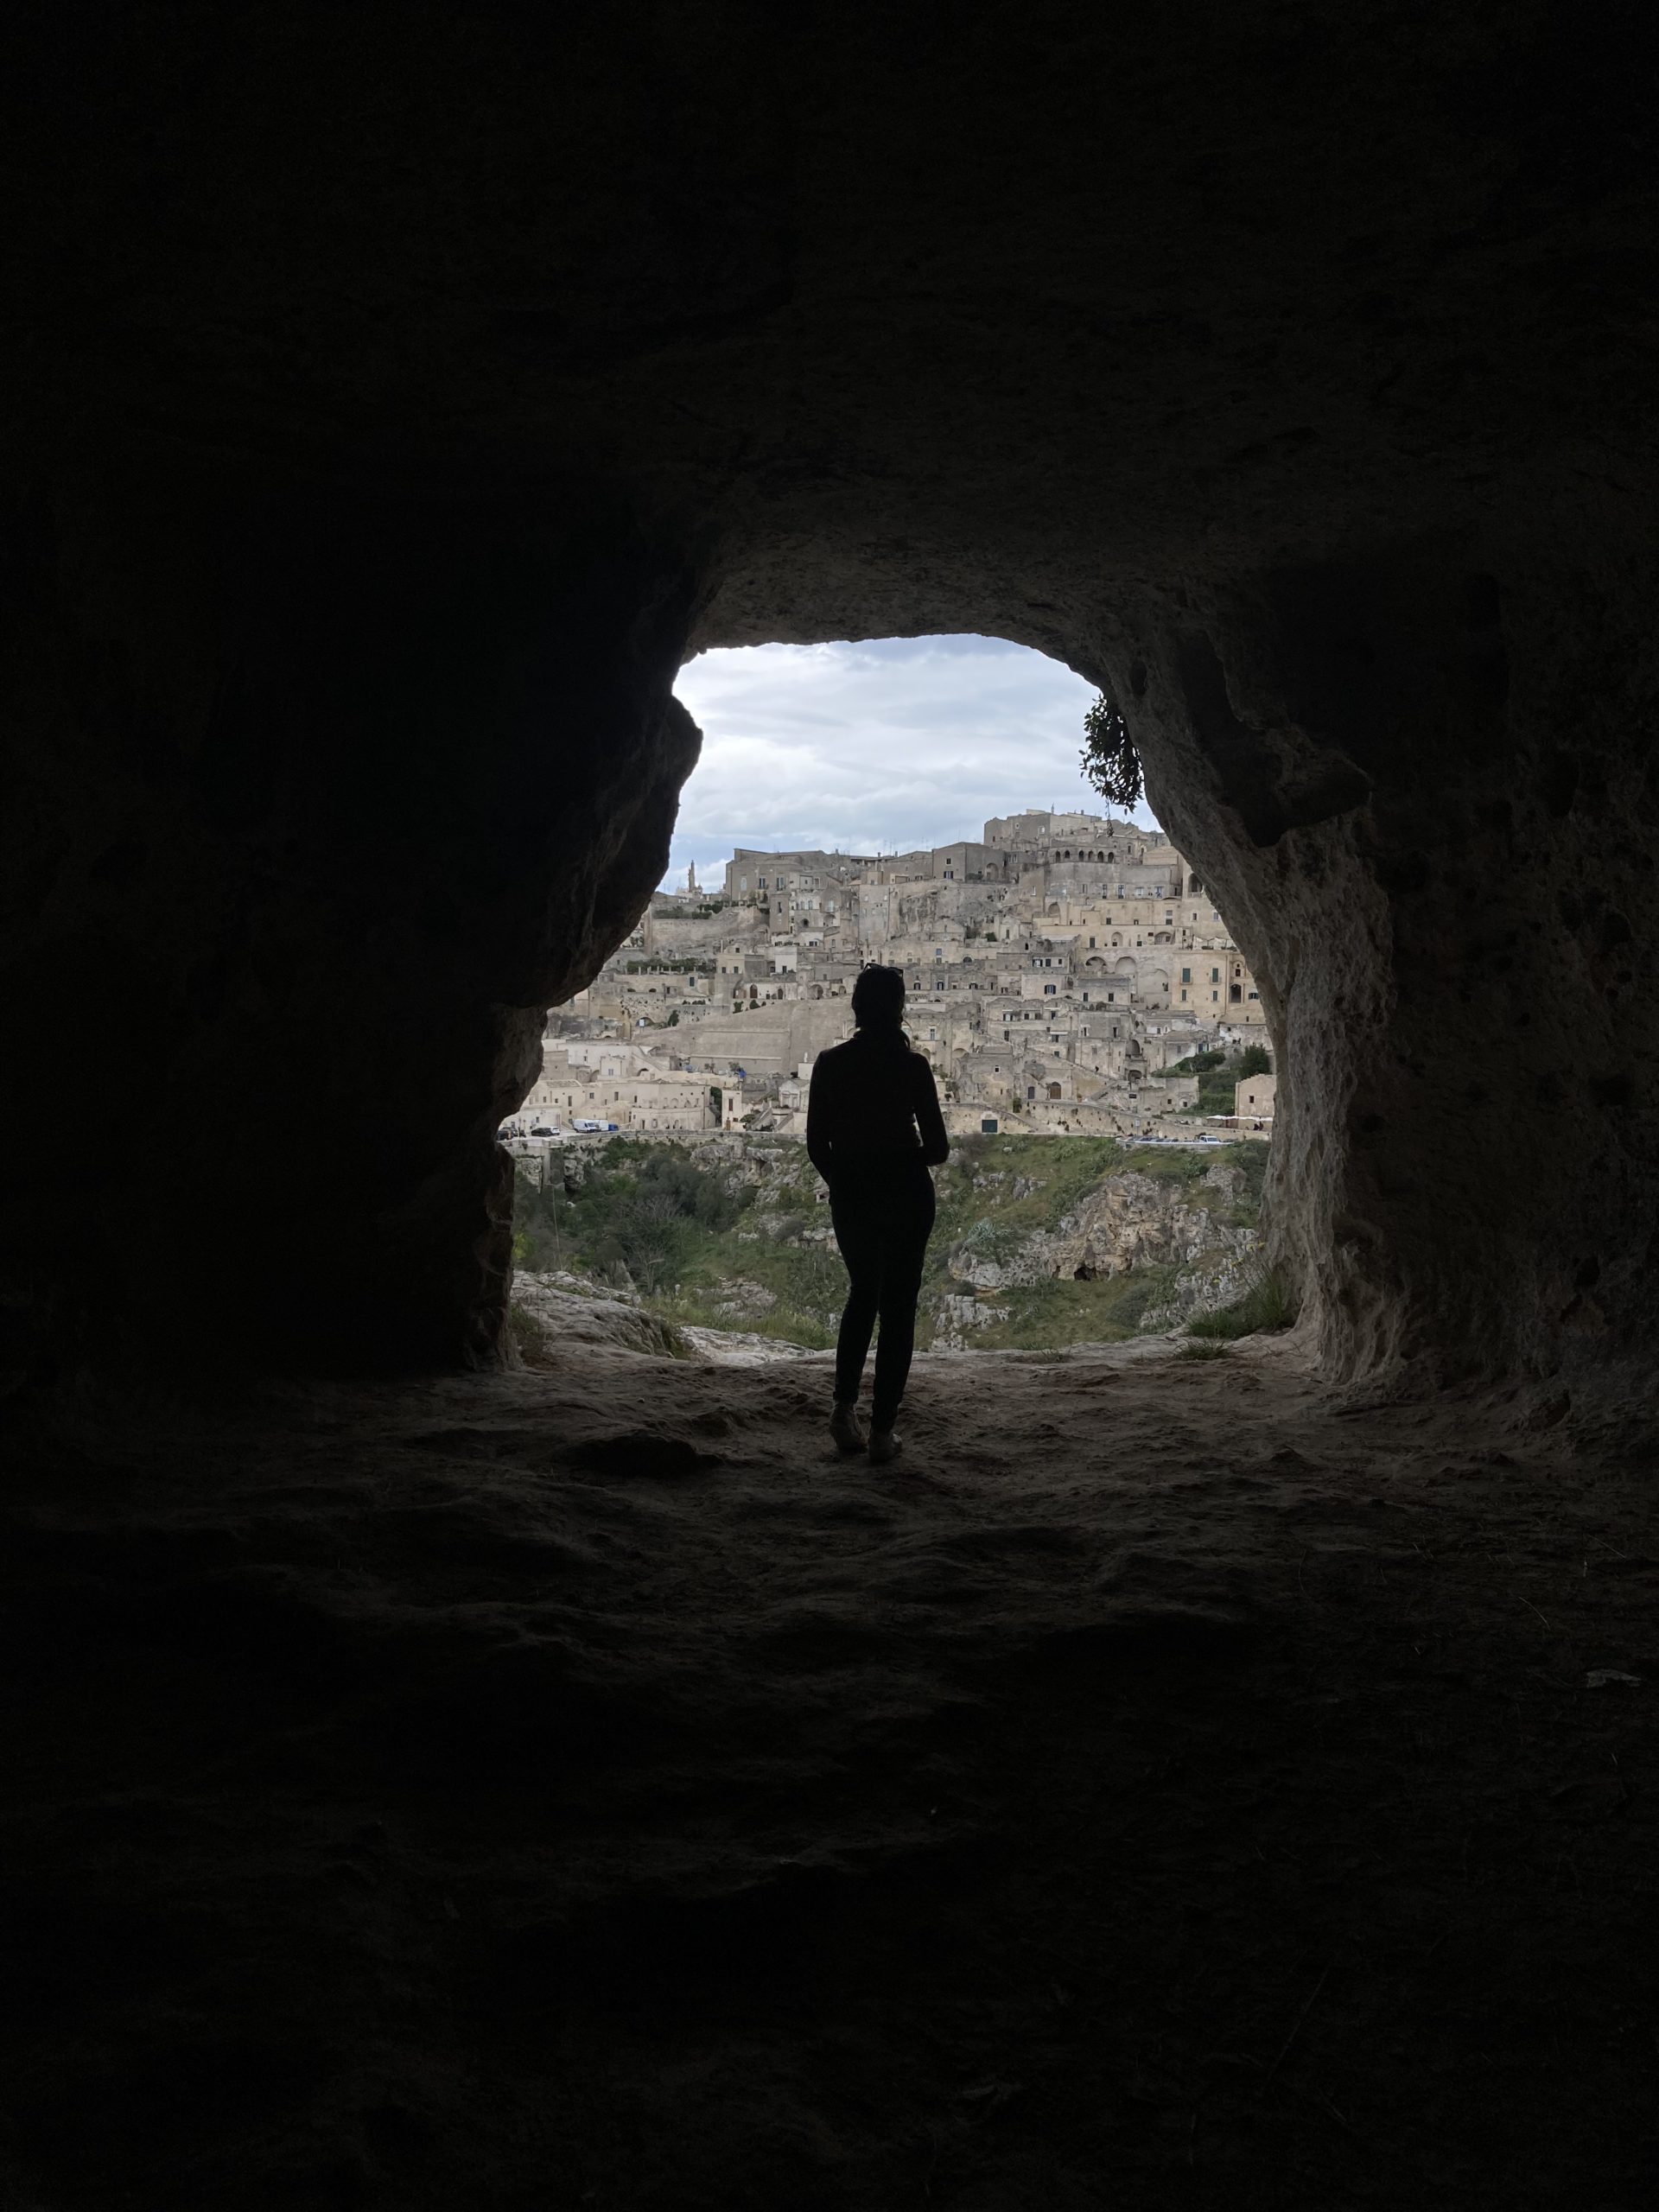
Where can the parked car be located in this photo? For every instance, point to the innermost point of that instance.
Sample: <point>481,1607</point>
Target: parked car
<point>541,1130</point>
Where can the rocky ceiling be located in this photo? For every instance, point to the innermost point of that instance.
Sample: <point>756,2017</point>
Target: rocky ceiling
<point>398,394</point>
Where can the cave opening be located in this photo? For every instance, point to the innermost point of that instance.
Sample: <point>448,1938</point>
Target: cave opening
<point>870,801</point>
<point>1204,1772</point>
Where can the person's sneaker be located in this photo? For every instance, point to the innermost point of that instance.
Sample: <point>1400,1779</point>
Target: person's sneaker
<point>843,1426</point>
<point>884,1446</point>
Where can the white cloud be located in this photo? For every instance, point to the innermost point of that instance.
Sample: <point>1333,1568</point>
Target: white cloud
<point>896,743</point>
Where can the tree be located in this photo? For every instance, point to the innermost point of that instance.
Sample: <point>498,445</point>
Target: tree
<point>1110,762</point>
<point>1255,1060</point>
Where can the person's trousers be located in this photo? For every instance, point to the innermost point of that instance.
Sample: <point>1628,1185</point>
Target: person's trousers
<point>883,1218</point>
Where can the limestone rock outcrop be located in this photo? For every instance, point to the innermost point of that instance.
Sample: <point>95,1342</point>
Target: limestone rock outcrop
<point>1130,1221</point>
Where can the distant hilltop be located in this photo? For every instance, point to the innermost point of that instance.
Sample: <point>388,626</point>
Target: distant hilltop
<point>1063,973</point>
<point>1012,845</point>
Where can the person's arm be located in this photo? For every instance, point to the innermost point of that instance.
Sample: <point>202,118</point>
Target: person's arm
<point>817,1122</point>
<point>936,1145</point>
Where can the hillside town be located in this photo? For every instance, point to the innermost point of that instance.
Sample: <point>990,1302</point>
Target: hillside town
<point>1059,968</point>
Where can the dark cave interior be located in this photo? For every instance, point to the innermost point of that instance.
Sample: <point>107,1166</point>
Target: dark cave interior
<point>396,399</point>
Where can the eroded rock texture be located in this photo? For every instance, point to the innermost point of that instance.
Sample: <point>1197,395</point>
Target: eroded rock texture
<point>399,401</point>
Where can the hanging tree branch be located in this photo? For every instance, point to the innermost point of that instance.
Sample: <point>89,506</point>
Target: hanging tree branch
<point>1110,762</point>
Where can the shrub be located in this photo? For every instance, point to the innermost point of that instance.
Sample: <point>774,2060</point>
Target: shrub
<point>530,1336</point>
<point>1268,1303</point>
<point>1197,1064</point>
<point>1250,1160</point>
<point>989,1240</point>
<point>1182,1165</point>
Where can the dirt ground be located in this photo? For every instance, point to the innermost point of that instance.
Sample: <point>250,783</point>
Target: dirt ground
<point>1161,1787</point>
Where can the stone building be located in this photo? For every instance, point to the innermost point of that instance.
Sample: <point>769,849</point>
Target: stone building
<point>1253,1098</point>
<point>1082,944</point>
<point>635,1090</point>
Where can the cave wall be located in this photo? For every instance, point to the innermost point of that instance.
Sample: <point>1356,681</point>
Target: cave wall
<point>394,403</point>
<point>327,796</point>
<point>1425,793</point>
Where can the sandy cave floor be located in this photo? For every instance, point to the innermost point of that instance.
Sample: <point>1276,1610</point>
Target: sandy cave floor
<point>582,1789</point>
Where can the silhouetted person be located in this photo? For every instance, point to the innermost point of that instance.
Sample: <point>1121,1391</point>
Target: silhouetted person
<point>874,1129</point>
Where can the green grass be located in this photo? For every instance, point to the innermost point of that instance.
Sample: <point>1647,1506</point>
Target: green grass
<point>1053,1173</point>
<point>1205,1349</point>
<point>808,1283</point>
<point>1173,1163</point>
<point>1046,1316</point>
<point>649,1214</point>
<point>1268,1303</point>
<point>683,1309</point>
<point>531,1340</point>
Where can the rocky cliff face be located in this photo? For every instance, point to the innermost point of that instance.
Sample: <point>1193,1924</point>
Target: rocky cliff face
<point>1205,1231</point>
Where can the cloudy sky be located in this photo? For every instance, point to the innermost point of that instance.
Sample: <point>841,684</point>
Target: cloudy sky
<point>897,743</point>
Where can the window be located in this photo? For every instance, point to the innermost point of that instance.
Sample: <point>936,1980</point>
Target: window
<point>1049,990</point>
<point>1215,975</point>
<point>1186,974</point>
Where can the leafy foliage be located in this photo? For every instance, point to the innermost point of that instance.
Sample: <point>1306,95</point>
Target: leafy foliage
<point>1251,1162</point>
<point>1219,1075</point>
<point>1110,762</point>
<point>1176,1164</point>
<point>1041,1316</point>
<point>683,1236</point>
<point>623,1219</point>
<point>1200,1063</point>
